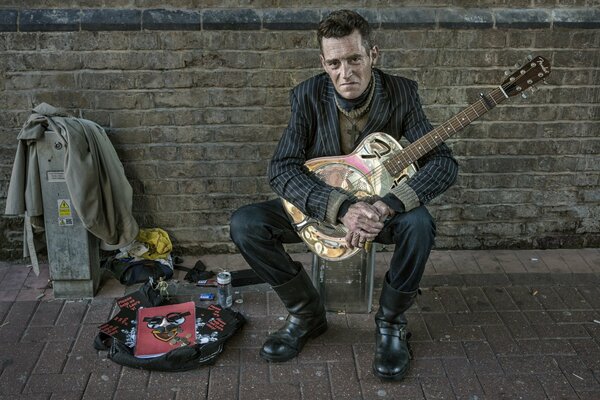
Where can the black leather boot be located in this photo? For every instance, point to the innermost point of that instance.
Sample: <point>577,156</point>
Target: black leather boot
<point>306,319</point>
<point>392,355</point>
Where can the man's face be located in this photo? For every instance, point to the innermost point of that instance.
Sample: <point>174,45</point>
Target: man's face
<point>348,63</point>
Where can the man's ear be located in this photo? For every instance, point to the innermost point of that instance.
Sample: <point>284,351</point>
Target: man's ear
<point>322,61</point>
<point>374,53</point>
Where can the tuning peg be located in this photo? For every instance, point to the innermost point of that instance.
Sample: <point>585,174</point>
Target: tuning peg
<point>533,90</point>
<point>524,95</point>
<point>517,65</point>
<point>507,72</point>
<point>529,57</point>
<point>545,82</point>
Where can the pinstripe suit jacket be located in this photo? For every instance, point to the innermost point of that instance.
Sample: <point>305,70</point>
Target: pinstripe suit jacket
<point>313,131</point>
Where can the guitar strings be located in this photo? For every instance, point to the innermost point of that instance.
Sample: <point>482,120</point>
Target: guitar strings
<point>379,170</point>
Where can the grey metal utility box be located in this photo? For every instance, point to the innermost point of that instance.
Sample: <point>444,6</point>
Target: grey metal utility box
<point>73,252</point>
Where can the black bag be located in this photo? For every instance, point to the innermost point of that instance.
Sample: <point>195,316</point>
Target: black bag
<point>204,352</point>
<point>132,272</point>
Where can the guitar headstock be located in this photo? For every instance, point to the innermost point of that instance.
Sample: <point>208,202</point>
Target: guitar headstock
<point>526,76</point>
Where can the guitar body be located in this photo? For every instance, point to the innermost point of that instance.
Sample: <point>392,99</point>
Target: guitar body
<point>361,173</point>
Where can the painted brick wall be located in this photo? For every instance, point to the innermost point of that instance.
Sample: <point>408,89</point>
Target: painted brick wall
<point>195,97</point>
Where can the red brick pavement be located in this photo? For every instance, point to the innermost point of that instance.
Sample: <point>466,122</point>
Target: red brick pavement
<point>488,325</point>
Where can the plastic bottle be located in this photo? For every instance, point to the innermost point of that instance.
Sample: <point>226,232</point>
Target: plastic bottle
<point>224,291</point>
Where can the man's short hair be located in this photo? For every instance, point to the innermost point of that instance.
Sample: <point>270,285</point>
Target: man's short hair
<point>342,23</point>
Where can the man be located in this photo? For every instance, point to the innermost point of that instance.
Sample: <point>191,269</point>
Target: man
<point>331,113</point>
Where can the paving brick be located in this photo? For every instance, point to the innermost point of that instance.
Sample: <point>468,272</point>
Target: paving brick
<point>575,261</point>
<point>500,340</point>
<point>99,311</point>
<point>509,261</point>
<point>4,308</point>
<point>592,296</point>
<point>50,333</point>
<point>546,347</point>
<point>532,261</point>
<point>567,316</point>
<point>53,358</point>
<point>417,328</point>
<point>564,331</point>
<point>442,262</point>
<point>533,279</point>
<point>197,379</point>
<point>487,262</point>
<point>524,298</point>
<point>436,388</point>
<point>438,349</point>
<point>87,362</point>
<point>224,382</point>
<point>573,298</point>
<point>426,367</point>
<point>15,322</point>
<point>46,313</point>
<point>254,304</point>
<point>475,318</point>
<point>48,383</point>
<point>591,257</point>
<point>465,261</point>
<point>500,298</point>
<point>538,317</point>
<point>512,386</point>
<point>524,365</point>
<point>435,280</point>
<point>346,336</point>
<point>102,384</point>
<point>476,299</point>
<point>429,301</point>
<point>452,300</point>
<point>344,380</point>
<point>493,279</point>
<point>73,312</point>
<point>577,373</point>
<point>557,387</point>
<point>317,390</point>
<point>374,388</point>
<point>553,261</point>
<point>257,373</point>
<point>441,329</point>
<point>134,394</point>
<point>257,391</point>
<point>295,373</point>
<point>325,353</point>
<point>132,378</point>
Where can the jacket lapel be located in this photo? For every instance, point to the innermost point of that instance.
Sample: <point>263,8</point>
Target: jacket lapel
<point>380,111</point>
<point>330,124</point>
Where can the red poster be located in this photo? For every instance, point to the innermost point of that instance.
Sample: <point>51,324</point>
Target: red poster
<point>162,329</point>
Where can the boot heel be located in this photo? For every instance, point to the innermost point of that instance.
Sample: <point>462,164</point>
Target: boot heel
<point>318,331</point>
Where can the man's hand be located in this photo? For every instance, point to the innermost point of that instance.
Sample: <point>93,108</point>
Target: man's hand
<point>384,210</point>
<point>364,222</point>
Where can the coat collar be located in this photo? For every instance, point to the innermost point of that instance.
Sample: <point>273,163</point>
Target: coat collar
<point>379,113</point>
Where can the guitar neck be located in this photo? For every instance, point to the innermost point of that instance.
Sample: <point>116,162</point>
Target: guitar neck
<point>411,153</point>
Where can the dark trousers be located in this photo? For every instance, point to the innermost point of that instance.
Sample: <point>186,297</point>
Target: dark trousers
<point>259,230</point>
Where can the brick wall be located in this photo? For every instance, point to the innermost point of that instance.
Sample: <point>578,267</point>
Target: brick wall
<point>194,98</point>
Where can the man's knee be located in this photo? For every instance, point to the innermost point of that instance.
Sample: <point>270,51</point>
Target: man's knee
<point>243,221</point>
<point>418,223</point>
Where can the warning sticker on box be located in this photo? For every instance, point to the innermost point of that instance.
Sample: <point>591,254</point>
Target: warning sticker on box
<point>55,176</point>
<point>65,218</point>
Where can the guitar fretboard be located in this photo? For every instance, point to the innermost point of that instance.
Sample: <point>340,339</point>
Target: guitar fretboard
<point>411,153</point>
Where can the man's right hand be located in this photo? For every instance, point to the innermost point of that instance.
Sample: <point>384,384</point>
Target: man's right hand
<point>364,222</point>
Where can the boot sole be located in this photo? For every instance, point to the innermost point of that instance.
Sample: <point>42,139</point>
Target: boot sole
<point>313,334</point>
